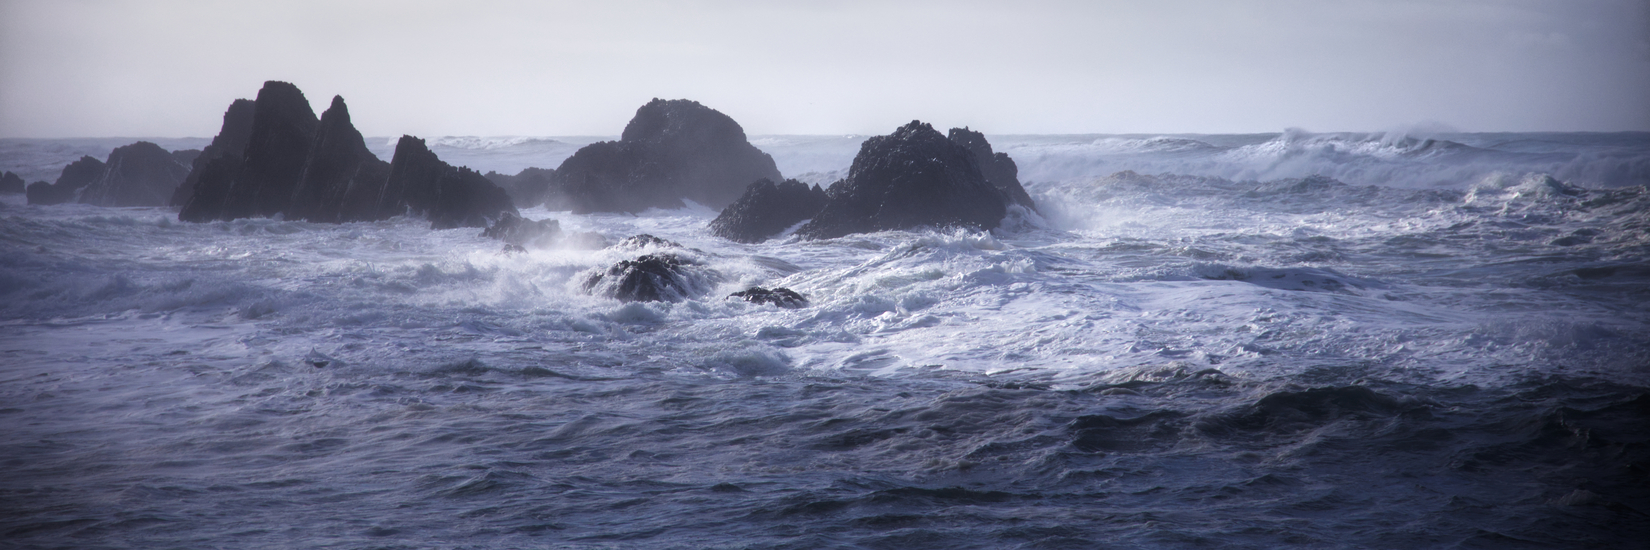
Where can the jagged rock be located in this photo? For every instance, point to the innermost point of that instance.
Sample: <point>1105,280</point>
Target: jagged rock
<point>283,127</point>
<point>341,180</point>
<point>766,209</point>
<point>913,177</point>
<point>76,176</point>
<point>140,174</point>
<point>779,296</point>
<point>670,151</point>
<point>231,143</point>
<point>12,183</point>
<point>527,187</point>
<point>651,278</point>
<point>520,232</point>
<point>449,197</point>
<point>644,240</point>
<point>997,168</point>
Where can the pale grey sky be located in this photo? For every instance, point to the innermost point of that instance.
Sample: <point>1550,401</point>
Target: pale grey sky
<point>168,68</point>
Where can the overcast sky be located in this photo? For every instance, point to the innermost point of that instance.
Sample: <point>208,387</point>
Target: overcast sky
<point>168,68</point>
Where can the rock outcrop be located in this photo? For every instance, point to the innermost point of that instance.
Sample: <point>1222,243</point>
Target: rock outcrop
<point>12,183</point>
<point>140,174</point>
<point>527,187</point>
<point>779,296</point>
<point>669,152</point>
<point>230,142</point>
<point>449,197</point>
<point>341,180</point>
<point>650,278</point>
<point>75,177</point>
<point>913,177</point>
<point>275,157</point>
<point>766,209</point>
<point>522,232</point>
<point>997,168</point>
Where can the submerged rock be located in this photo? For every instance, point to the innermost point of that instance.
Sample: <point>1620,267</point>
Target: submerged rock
<point>140,174</point>
<point>76,176</point>
<point>670,151</point>
<point>913,177</point>
<point>997,168</point>
<point>651,278</point>
<point>779,296</point>
<point>520,232</point>
<point>12,183</point>
<point>766,209</point>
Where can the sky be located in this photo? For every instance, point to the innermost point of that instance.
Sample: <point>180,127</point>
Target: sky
<point>169,68</point>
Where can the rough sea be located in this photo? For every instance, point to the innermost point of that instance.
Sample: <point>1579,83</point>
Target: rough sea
<point>1200,341</point>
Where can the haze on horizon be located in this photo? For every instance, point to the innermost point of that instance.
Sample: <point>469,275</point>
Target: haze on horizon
<point>169,68</point>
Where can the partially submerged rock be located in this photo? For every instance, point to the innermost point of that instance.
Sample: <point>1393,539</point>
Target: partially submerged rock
<point>766,209</point>
<point>527,187</point>
<point>914,177</point>
<point>997,168</point>
<point>449,197</point>
<point>12,183</point>
<point>779,296</point>
<point>522,232</point>
<point>261,179</point>
<point>76,176</point>
<point>341,180</point>
<point>140,174</point>
<point>670,151</point>
<point>230,142</point>
<point>651,278</point>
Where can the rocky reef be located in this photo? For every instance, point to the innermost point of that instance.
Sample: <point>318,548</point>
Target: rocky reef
<point>766,209</point>
<point>670,151</point>
<point>779,296</point>
<point>914,177</point>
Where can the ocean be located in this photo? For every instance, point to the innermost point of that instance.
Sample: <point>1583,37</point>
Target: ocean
<point>1326,340</point>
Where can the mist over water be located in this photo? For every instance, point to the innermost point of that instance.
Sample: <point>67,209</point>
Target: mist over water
<point>1294,339</point>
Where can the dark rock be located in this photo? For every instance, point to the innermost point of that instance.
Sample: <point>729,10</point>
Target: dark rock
<point>913,177</point>
<point>651,278</point>
<point>283,127</point>
<point>779,296</point>
<point>527,187</point>
<point>76,176</point>
<point>341,180</point>
<point>671,151</point>
<point>449,197</point>
<point>186,157</point>
<point>997,168</point>
<point>514,249</point>
<point>12,183</point>
<point>767,209</point>
<point>140,174</point>
<point>644,240</point>
<point>519,232</point>
<point>230,142</point>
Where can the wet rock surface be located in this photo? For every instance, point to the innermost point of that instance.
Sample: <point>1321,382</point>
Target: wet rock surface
<point>914,177</point>
<point>659,277</point>
<point>521,232</point>
<point>767,209</point>
<point>779,296</point>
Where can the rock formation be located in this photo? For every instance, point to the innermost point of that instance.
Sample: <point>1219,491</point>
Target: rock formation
<point>341,179</point>
<point>670,151</point>
<point>527,187</point>
<point>913,177</point>
<point>12,183</point>
<point>274,157</point>
<point>522,232</point>
<point>767,209</point>
<point>140,174</point>
<point>997,168</point>
<point>230,142</point>
<point>651,278</point>
<point>779,296</point>
<point>449,197</point>
<point>76,176</point>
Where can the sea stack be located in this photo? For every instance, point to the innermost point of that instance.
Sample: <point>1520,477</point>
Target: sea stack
<point>342,180</point>
<point>76,176</point>
<point>914,177</point>
<point>140,174</point>
<point>11,183</point>
<point>997,168</point>
<point>449,197</point>
<point>670,151</point>
<point>230,143</point>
